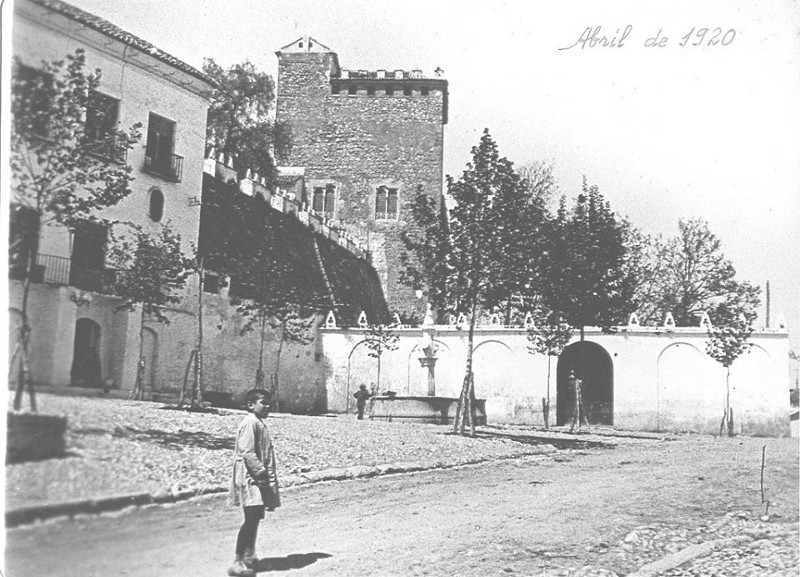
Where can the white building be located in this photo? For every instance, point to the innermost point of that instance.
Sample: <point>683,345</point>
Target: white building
<point>77,336</point>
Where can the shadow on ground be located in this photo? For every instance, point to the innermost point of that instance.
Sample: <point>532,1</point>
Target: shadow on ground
<point>294,561</point>
<point>176,440</point>
<point>557,442</point>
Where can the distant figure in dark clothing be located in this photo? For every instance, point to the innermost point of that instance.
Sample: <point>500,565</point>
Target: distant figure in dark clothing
<point>361,395</point>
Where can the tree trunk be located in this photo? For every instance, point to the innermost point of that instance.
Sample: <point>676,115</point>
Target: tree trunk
<point>275,377</point>
<point>23,338</point>
<point>138,386</point>
<point>378,382</point>
<point>185,385</point>
<point>197,385</point>
<point>728,409</point>
<point>260,375</point>
<point>581,359</point>
<point>546,403</point>
<point>472,414</point>
<point>459,425</point>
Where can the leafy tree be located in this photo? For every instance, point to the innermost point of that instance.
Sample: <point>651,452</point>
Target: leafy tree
<point>153,271</point>
<point>63,169</point>
<point>239,117</point>
<point>379,339</point>
<point>589,281</point>
<point>542,184</point>
<point>471,259</point>
<point>526,243</point>
<point>548,336</point>
<point>588,278</point>
<point>732,326</point>
<point>691,276</point>
<point>426,241</point>
<point>648,259</point>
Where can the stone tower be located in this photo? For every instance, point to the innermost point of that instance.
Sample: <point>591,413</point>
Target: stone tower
<point>367,141</point>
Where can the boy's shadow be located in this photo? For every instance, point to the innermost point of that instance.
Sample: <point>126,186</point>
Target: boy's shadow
<point>294,561</point>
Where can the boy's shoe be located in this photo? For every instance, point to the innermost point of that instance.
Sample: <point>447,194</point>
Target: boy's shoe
<point>239,569</point>
<point>250,558</point>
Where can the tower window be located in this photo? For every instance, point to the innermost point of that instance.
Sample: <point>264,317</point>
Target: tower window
<point>156,205</point>
<point>386,205</point>
<point>324,199</point>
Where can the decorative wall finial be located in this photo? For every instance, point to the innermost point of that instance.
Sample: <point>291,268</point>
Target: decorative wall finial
<point>330,321</point>
<point>528,322</point>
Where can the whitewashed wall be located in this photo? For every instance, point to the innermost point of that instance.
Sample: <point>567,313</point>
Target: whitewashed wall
<point>662,380</point>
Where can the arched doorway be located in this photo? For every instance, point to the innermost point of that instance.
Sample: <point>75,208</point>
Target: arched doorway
<point>86,367</point>
<point>598,383</point>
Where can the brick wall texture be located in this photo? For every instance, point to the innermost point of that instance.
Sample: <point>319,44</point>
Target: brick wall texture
<point>359,141</point>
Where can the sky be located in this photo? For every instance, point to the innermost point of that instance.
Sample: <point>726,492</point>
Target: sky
<point>710,129</point>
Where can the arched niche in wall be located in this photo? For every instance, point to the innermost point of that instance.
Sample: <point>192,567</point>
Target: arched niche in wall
<point>156,208</point>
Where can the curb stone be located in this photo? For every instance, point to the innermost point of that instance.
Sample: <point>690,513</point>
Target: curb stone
<point>31,514</point>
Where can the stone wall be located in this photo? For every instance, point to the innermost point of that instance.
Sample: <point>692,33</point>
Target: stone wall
<point>350,133</point>
<point>231,355</point>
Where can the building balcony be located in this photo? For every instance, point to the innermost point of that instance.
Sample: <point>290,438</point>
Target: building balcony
<point>167,166</point>
<point>59,270</point>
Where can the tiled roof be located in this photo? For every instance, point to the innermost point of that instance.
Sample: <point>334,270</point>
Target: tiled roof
<point>109,29</point>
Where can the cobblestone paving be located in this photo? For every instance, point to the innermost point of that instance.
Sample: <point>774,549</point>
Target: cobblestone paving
<point>120,447</point>
<point>761,549</point>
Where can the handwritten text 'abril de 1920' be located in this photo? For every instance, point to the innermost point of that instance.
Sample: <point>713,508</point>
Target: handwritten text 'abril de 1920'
<point>595,37</point>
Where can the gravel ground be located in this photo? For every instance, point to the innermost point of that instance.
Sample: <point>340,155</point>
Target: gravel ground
<point>119,447</point>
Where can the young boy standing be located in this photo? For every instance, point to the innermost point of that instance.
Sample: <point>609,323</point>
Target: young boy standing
<point>254,482</point>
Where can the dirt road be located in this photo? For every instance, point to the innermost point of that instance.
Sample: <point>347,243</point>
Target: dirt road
<point>533,516</point>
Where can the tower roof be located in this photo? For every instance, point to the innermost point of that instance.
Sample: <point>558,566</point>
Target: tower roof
<point>305,44</point>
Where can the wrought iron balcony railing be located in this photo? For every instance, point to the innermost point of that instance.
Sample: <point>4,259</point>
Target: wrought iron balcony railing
<point>167,166</point>
<point>59,270</point>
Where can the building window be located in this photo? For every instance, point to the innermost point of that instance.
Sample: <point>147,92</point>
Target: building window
<point>324,199</point>
<point>390,91</point>
<point>351,90</point>
<point>370,91</point>
<point>36,89</point>
<point>159,158</point>
<point>102,114</point>
<point>407,91</point>
<point>386,204</point>
<point>424,92</point>
<point>156,205</point>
